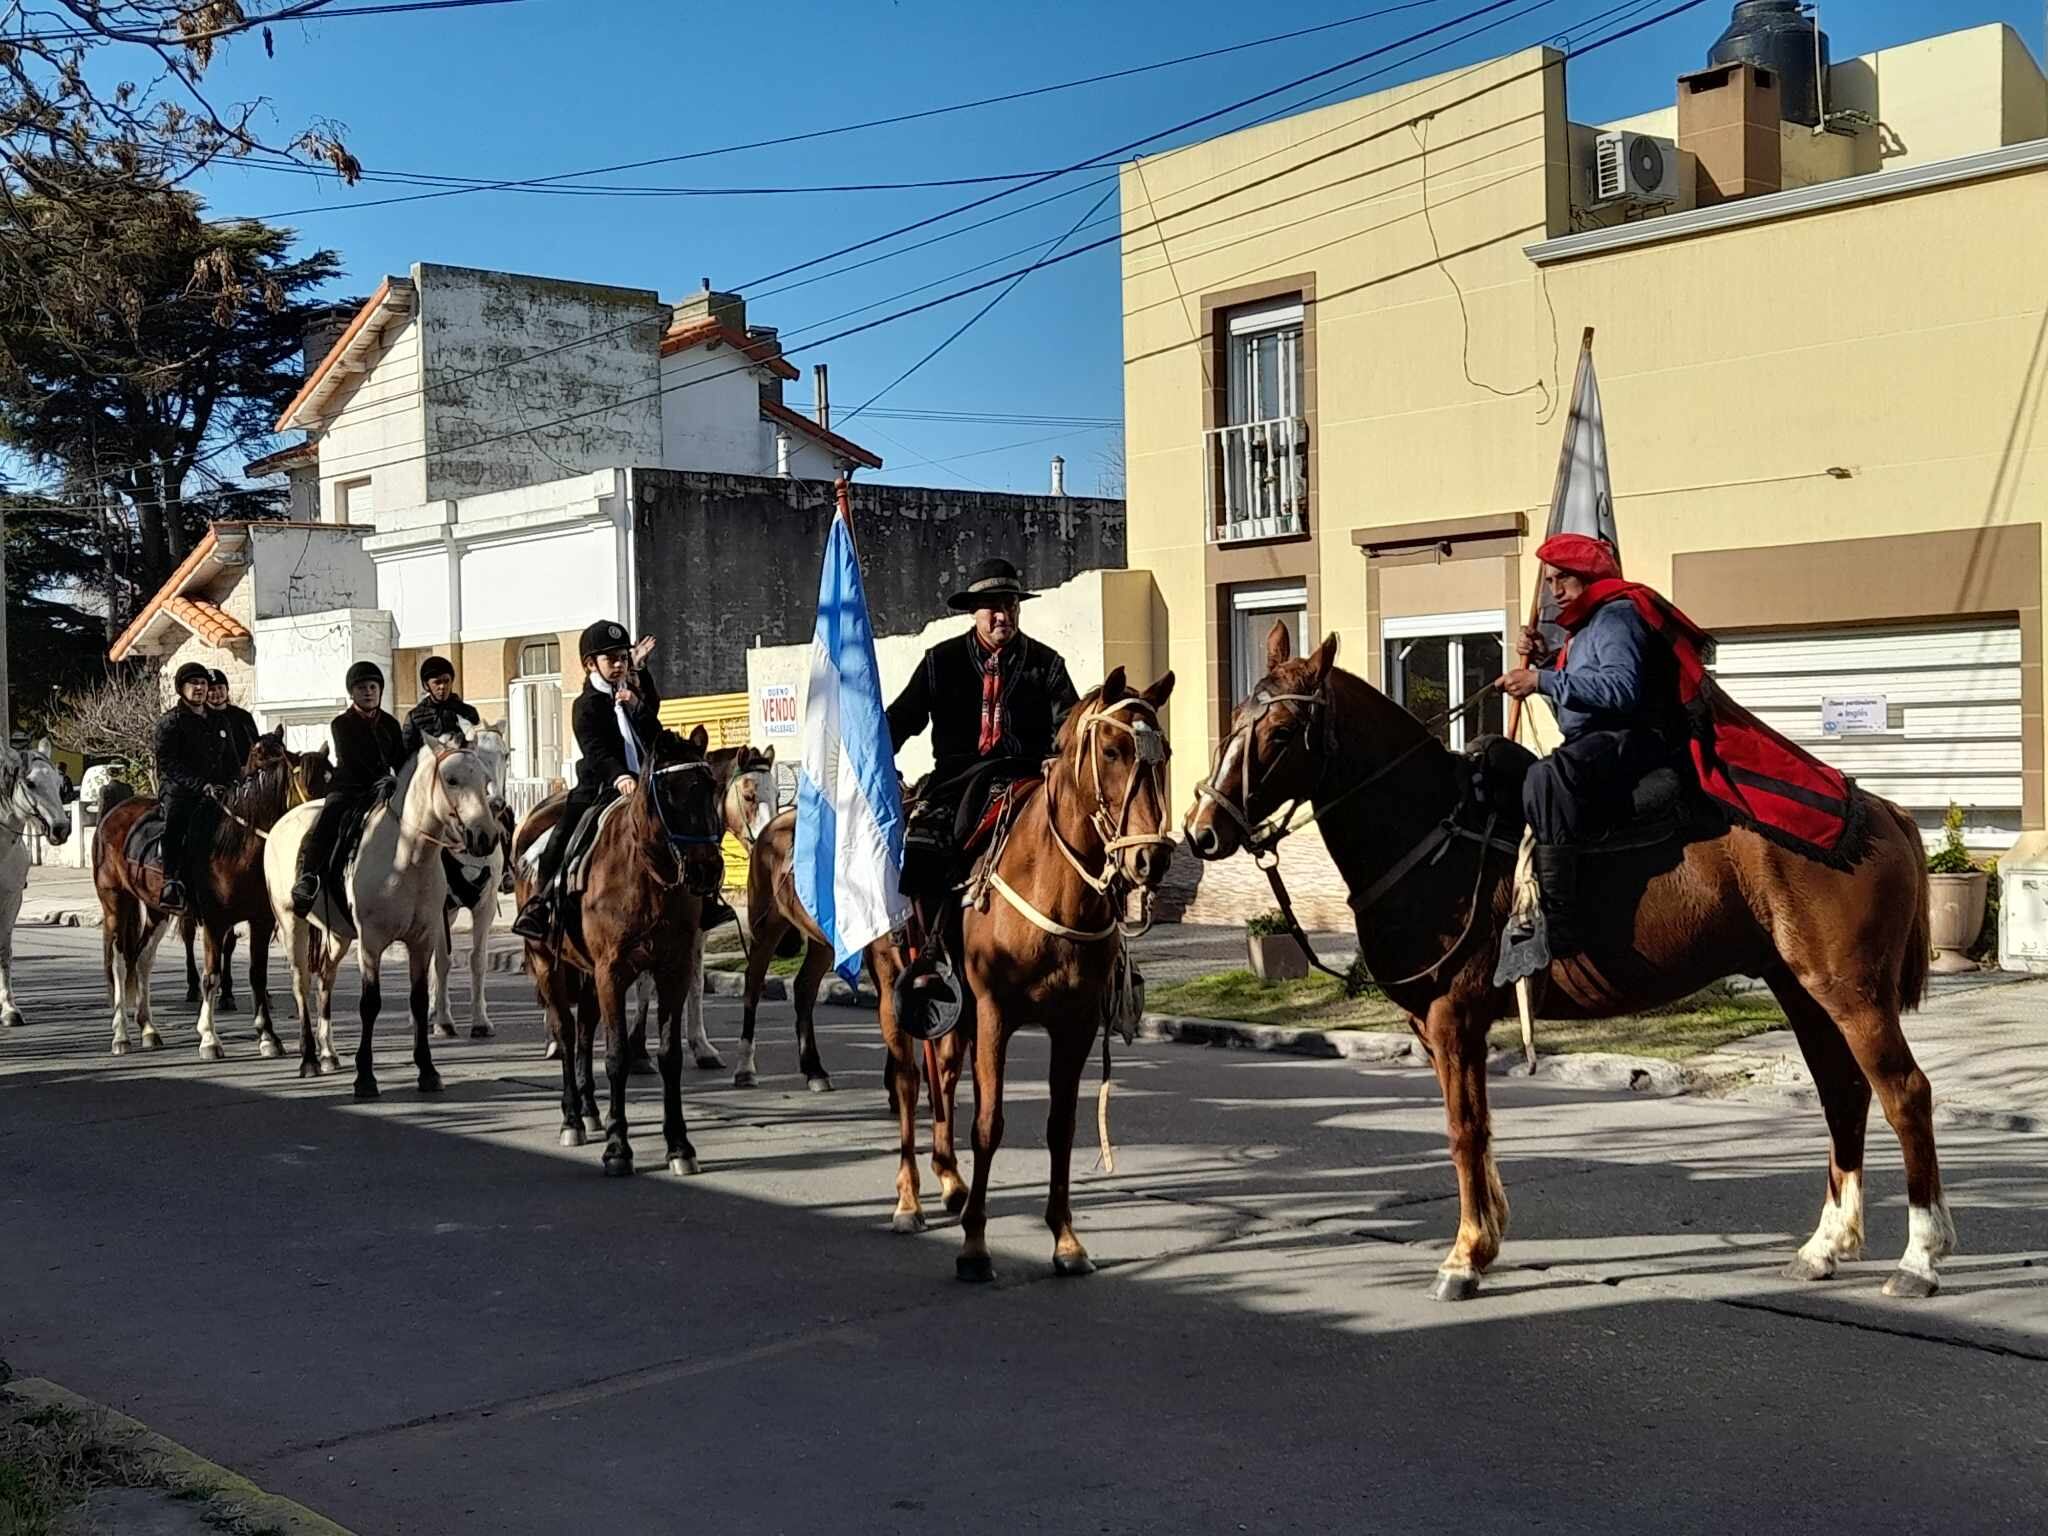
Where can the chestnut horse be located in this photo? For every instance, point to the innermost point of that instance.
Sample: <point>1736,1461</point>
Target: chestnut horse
<point>1041,943</point>
<point>228,888</point>
<point>654,859</point>
<point>1843,950</point>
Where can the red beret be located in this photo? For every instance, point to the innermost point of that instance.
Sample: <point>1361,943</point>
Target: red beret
<point>1588,559</point>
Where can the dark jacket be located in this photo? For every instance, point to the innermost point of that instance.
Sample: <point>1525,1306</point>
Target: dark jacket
<point>445,719</point>
<point>603,749</point>
<point>945,692</point>
<point>1617,674</point>
<point>240,728</point>
<point>191,753</point>
<point>364,750</point>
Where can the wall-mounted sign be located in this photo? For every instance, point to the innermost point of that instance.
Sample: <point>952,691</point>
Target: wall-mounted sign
<point>1853,714</point>
<point>778,709</point>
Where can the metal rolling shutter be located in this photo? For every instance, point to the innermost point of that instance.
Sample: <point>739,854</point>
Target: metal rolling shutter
<point>1952,697</point>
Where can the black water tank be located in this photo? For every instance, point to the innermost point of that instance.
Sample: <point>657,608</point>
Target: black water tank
<point>1777,35</point>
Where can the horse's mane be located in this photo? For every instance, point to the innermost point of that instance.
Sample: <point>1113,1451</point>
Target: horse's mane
<point>270,776</point>
<point>1083,706</point>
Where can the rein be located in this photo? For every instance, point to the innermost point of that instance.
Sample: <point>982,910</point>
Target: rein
<point>446,845</point>
<point>674,839</point>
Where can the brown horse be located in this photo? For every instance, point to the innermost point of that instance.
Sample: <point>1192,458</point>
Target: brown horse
<point>654,859</point>
<point>1042,941</point>
<point>1843,950</point>
<point>229,889</point>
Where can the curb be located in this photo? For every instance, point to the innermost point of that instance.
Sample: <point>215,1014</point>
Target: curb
<point>775,989</point>
<point>269,1510</point>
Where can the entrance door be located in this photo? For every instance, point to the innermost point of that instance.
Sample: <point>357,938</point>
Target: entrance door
<point>1436,661</point>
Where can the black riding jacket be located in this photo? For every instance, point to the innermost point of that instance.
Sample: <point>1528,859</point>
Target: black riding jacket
<point>364,750</point>
<point>945,692</point>
<point>445,719</point>
<point>192,753</point>
<point>240,729</point>
<point>598,739</point>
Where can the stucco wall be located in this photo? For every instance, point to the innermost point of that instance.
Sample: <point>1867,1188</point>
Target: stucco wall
<point>711,414</point>
<point>722,560</point>
<point>306,570</point>
<point>379,433</point>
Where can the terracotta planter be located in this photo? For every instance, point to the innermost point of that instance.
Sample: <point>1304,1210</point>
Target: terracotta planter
<point>1276,957</point>
<point>1955,913</point>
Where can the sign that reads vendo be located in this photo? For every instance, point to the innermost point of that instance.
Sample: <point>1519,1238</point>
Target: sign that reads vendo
<point>778,709</point>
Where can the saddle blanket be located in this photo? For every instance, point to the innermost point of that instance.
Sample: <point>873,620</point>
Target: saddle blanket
<point>1002,805</point>
<point>583,838</point>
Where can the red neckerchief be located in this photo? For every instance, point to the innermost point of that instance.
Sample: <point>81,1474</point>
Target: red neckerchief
<point>990,659</point>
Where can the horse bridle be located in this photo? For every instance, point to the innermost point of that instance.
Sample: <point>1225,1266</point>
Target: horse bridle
<point>18,781</point>
<point>681,839</point>
<point>441,755</point>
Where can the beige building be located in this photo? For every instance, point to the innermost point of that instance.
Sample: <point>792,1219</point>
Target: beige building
<point>1822,353</point>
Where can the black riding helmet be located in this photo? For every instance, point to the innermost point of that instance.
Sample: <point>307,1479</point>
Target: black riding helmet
<point>364,672</point>
<point>191,672</point>
<point>600,637</point>
<point>435,666</point>
<point>218,678</point>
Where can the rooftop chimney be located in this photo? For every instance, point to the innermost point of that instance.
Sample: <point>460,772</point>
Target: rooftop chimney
<point>823,397</point>
<point>771,386</point>
<point>728,309</point>
<point>1728,120</point>
<point>1059,475</point>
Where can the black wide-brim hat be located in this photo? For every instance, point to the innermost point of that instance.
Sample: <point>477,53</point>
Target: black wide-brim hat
<point>990,581</point>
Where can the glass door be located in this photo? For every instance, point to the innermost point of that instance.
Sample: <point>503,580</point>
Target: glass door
<point>1435,662</point>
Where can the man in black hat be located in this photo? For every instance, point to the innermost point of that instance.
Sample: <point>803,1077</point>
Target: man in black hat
<point>616,719</point>
<point>192,767</point>
<point>369,749</point>
<point>236,723</point>
<point>441,711</point>
<point>994,698</point>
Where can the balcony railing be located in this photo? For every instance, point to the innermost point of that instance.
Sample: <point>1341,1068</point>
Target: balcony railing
<point>1257,480</point>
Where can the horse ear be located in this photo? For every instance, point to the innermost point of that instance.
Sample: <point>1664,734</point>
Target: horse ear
<point>1325,658</point>
<point>497,727</point>
<point>700,738</point>
<point>1279,646</point>
<point>1160,692</point>
<point>1114,686</point>
<point>768,758</point>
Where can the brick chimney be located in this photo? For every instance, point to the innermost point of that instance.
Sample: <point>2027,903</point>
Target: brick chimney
<point>728,309</point>
<point>1728,120</point>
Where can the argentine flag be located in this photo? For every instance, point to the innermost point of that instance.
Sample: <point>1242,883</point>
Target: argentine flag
<point>849,816</point>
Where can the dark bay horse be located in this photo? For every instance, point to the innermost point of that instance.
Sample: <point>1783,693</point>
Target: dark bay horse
<point>1843,950</point>
<point>227,890</point>
<point>655,857</point>
<point>1041,944</point>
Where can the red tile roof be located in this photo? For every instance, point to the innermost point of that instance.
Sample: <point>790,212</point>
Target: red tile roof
<point>206,620</point>
<point>295,457</point>
<point>846,448</point>
<point>195,613</point>
<point>697,333</point>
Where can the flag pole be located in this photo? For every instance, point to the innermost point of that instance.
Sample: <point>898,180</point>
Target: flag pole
<point>1557,489</point>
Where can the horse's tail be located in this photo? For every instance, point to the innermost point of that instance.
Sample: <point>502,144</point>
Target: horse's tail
<point>1914,964</point>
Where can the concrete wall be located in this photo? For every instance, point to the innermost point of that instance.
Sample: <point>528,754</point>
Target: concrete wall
<point>722,560</point>
<point>711,414</point>
<point>483,380</point>
<point>380,434</point>
<point>303,570</point>
<point>305,658</point>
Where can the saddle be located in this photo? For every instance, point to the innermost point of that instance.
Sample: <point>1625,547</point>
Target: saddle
<point>582,839</point>
<point>998,814</point>
<point>1664,806</point>
<point>144,847</point>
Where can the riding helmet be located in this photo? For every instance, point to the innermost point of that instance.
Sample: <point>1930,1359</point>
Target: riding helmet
<point>602,636</point>
<point>436,666</point>
<point>365,672</point>
<point>218,678</point>
<point>191,672</point>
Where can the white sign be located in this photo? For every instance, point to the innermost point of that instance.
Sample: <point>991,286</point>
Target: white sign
<point>1852,714</point>
<point>778,709</point>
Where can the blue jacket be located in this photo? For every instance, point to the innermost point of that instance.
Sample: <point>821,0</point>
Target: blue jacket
<point>1618,674</point>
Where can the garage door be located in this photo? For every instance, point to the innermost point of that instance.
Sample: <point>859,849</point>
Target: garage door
<point>1922,716</point>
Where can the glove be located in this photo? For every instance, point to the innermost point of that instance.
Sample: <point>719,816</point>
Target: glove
<point>386,786</point>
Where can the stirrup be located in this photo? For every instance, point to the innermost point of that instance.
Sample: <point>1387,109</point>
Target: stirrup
<point>928,999</point>
<point>172,898</point>
<point>536,920</point>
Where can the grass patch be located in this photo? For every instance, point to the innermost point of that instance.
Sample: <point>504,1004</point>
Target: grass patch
<point>1703,1022</point>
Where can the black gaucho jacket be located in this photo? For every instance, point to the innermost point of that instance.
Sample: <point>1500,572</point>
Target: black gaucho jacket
<point>603,748</point>
<point>365,750</point>
<point>945,692</point>
<point>191,753</point>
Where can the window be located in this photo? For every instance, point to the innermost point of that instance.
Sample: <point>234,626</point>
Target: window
<point>536,724</point>
<point>541,658</point>
<point>1254,609</point>
<point>352,502</point>
<point>1435,662</point>
<point>1258,459</point>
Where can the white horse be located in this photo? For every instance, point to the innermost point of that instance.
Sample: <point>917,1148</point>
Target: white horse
<point>494,874</point>
<point>397,894</point>
<point>31,789</point>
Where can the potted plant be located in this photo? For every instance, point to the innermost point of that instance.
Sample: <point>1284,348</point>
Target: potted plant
<point>1273,952</point>
<point>1956,895</point>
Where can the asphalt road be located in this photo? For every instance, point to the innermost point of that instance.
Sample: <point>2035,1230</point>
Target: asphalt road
<point>421,1315</point>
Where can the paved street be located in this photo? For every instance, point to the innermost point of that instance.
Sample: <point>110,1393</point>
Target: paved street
<point>422,1315</point>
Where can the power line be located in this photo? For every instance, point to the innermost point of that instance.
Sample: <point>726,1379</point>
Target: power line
<point>306,10</point>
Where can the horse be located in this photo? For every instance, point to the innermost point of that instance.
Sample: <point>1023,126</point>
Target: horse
<point>1843,950</point>
<point>654,857</point>
<point>227,889</point>
<point>1047,951</point>
<point>310,775</point>
<point>31,790</point>
<point>494,875</point>
<point>397,894</point>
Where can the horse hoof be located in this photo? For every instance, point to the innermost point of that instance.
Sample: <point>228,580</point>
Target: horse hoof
<point>430,1081</point>
<point>225,1003</point>
<point>592,1124</point>
<point>572,1136</point>
<point>974,1268</point>
<point>1803,1268</point>
<point>268,1047</point>
<point>819,1084</point>
<point>905,1222</point>
<point>443,1030</point>
<point>743,1079</point>
<point>212,1053</point>
<point>12,1018</point>
<point>956,1199</point>
<point>712,1063</point>
<point>330,1064</point>
<point>480,1031</point>
<point>1072,1266</point>
<point>1908,1285</point>
<point>1454,1287</point>
<point>685,1167</point>
<point>366,1088</point>
<point>618,1165</point>
<point>151,1040</point>
<point>120,1047</point>
<point>552,1051</point>
<point>641,1066</point>
<point>308,1067</point>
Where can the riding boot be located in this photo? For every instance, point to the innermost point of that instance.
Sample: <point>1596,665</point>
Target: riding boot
<point>536,920</point>
<point>716,911</point>
<point>305,891</point>
<point>1557,877</point>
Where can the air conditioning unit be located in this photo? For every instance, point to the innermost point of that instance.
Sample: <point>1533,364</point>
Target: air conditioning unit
<point>1634,167</point>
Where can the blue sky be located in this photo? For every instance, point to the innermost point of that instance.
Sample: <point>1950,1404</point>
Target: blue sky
<point>549,86</point>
